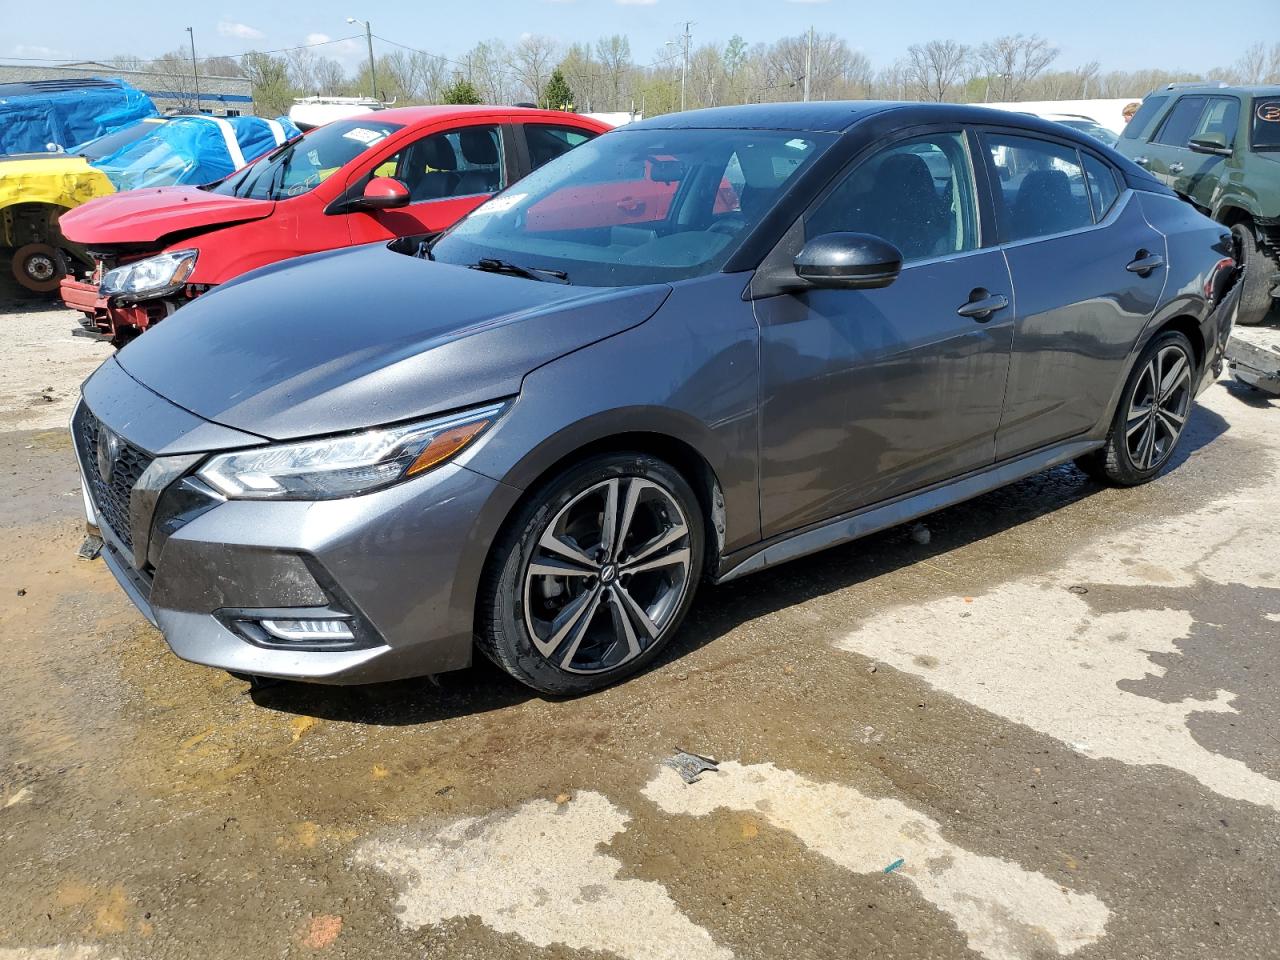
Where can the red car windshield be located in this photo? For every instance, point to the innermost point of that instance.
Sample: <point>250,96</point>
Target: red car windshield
<point>302,165</point>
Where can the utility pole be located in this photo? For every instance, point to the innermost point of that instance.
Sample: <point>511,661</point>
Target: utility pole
<point>373,70</point>
<point>808,64</point>
<point>195,73</point>
<point>684,73</point>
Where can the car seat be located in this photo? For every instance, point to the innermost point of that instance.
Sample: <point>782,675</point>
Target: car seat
<point>480,150</point>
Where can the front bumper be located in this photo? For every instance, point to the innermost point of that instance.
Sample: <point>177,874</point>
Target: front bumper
<point>402,563</point>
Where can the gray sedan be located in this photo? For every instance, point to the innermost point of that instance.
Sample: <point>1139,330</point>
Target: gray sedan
<point>686,351</point>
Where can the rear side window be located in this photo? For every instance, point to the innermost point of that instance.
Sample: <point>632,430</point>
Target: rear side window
<point>1181,122</point>
<point>1145,116</point>
<point>546,142</point>
<point>1041,187</point>
<point>1103,189</point>
<point>1266,124</point>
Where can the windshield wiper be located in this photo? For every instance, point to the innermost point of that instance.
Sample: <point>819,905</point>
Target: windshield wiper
<point>494,265</point>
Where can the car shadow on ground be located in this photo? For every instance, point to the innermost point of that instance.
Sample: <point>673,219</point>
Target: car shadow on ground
<point>720,609</point>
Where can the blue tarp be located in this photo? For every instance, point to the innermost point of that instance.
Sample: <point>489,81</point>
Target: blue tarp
<point>193,150</point>
<point>35,115</point>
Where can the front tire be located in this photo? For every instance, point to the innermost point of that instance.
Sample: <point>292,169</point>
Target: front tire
<point>1260,273</point>
<point>593,575</point>
<point>1151,416</point>
<point>39,267</point>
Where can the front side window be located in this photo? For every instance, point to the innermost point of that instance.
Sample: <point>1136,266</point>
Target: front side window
<point>637,206</point>
<point>454,163</point>
<point>546,141</point>
<point>1265,128</point>
<point>1144,118</point>
<point>302,165</point>
<point>1040,187</point>
<point>1181,122</point>
<point>1222,117</point>
<point>918,195</point>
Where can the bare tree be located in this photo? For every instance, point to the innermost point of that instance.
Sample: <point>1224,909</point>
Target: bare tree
<point>614,54</point>
<point>934,68</point>
<point>330,78</point>
<point>488,71</point>
<point>178,76</point>
<point>1010,63</point>
<point>127,61</point>
<point>531,61</point>
<point>220,67</point>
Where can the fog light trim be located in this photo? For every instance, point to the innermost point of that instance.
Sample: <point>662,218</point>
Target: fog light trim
<point>300,630</point>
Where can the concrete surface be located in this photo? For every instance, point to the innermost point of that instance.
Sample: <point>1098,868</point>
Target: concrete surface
<point>1044,725</point>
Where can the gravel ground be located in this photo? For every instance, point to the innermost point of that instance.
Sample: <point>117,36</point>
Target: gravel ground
<point>1041,725</point>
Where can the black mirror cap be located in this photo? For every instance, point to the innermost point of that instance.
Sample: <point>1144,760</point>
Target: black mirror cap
<point>857,261</point>
<point>1214,143</point>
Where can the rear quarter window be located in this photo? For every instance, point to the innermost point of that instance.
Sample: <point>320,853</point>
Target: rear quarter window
<point>1265,126</point>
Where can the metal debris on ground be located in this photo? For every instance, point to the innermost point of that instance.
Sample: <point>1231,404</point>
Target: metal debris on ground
<point>894,866</point>
<point>90,548</point>
<point>690,766</point>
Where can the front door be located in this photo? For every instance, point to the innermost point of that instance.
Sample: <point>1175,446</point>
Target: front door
<point>1088,273</point>
<point>448,173</point>
<point>869,394</point>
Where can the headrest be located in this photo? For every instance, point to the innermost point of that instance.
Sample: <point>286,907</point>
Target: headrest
<point>479,146</point>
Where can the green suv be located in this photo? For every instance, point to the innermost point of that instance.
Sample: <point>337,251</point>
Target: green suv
<point>1219,147</point>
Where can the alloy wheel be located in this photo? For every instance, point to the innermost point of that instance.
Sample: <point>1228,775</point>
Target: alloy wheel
<point>1158,407</point>
<point>607,575</point>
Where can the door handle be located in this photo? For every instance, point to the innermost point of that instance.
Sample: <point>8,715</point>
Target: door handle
<point>981,305</point>
<point>631,205</point>
<point>1176,167</point>
<point>1144,263</point>
<point>1141,161</point>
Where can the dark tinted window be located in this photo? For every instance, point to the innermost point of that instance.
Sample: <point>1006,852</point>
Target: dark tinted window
<point>109,143</point>
<point>1041,187</point>
<point>457,163</point>
<point>1103,188</point>
<point>1222,116</point>
<point>918,195</point>
<point>1266,124</point>
<point>1181,122</point>
<point>546,142</point>
<point>1143,119</point>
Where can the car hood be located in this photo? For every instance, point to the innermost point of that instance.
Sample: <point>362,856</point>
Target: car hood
<point>354,338</point>
<point>145,216</point>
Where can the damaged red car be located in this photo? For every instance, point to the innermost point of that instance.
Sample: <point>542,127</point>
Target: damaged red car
<point>406,172</point>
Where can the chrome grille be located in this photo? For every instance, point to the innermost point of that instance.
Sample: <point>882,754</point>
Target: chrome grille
<point>110,497</point>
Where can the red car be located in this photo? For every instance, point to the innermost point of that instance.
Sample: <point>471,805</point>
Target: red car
<point>393,173</point>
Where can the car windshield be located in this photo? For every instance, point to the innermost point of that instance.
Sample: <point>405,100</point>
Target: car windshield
<point>109,143</point>
<point>1095,130</point>
<point>302,165</point>
<point>635,206</point>
<point>1266,123</point>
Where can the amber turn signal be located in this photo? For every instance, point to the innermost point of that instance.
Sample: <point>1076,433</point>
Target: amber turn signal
<point>444,445</point>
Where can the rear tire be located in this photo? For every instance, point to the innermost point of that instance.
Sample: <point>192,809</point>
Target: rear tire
<point>593,575</point>
<point>1151,415</point>
<point>1260,273</point>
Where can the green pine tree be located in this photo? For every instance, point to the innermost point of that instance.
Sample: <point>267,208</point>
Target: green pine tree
<point>461,90</point>
<point>557,94</point>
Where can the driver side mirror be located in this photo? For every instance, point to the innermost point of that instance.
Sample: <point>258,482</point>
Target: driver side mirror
<point>1213,143</point>
<point>848,261</point>
<point>384,193</point>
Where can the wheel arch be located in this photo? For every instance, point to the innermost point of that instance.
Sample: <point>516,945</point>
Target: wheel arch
<point>37,214</point>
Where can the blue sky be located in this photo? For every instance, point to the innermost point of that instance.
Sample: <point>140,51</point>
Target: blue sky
<point>1172,34</point>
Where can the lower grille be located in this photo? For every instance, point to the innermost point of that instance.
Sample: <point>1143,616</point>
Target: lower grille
<point>125,464</point>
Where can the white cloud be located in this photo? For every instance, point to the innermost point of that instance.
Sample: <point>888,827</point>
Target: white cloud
<point>241,31</point>
<point>35,51</point>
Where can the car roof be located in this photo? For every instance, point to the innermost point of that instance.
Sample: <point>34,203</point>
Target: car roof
<point>427,114</point>
<point>838,116</point>
<point>1212,86</point>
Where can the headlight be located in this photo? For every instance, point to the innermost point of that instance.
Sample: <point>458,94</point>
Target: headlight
<point>347,465</point>
<point>152,277</point>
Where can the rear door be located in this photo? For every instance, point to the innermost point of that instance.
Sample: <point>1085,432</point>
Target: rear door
<point>540,143</point>
<point>448,171</point>
<point>869,394</point>
<point>1087,275</point>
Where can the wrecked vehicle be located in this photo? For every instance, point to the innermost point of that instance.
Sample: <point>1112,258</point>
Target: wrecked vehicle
<point>533,438</point>
<point>36,190</point>
<point>1253,358</point>
<point>410,171</point>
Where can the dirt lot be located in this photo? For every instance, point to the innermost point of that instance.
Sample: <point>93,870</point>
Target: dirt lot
<point>1042,725</point>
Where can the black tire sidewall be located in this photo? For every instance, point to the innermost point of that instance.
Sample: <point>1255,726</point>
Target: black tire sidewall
<point>1259,275</point>
<point>502,633</point>
<point>1119,466</point>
